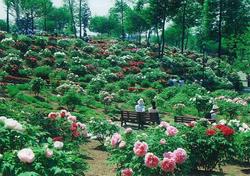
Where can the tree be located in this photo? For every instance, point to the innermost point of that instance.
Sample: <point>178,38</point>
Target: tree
<point>7,3</point>
<point>102,24</point>
<point>135,21</point>
<point>3,25</point>
<point>84,17</point>
<point>36,85</point>
<point>71,99</point>
<point>161,12</point>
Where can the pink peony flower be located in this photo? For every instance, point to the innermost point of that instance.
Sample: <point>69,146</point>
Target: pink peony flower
<point>151,160</point>
<point>127,172</point>
<point>168,165</point>
<point>128,130</point>
<point>122,144</point>
<point>180,155</point>
<point>169,155</point>
<point>48,153</point>
<point>81,125</point>
<point>164,124</point>
<point>26,155</point>
<point>116,138</point>
<point>171,131</point>
<point>52,115</point>
<point>162,141</point>
<point>140,148</point>
<point>72,118</point>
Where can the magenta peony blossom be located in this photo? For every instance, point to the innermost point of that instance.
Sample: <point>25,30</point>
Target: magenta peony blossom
<point>26,155</point>
<point>168,165</point>
<point>116,138</point>
<point>162,141</point>
<point>151,161</point>
<point>127,172</point>
<point>171,131</point>
<point>140,148</point>
<point>64,113</point>
<point>180,155</point>
<point>122,144</point>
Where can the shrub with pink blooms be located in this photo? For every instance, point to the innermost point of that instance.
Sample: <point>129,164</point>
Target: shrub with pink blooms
<point>45,160</point>
<point>151,152</point>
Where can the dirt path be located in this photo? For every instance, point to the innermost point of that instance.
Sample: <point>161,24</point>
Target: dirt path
<point>97,160</point>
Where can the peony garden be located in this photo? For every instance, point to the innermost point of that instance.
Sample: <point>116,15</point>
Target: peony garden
<point>146,90</point>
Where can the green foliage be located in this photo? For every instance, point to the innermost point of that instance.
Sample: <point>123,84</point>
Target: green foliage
<point>36,85</point>
<point>43,72</point>
<point>71,100</point>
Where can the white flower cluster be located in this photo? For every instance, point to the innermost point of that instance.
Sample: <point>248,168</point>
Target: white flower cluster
<point>8,41</point>
<point>11,124</point>
<point>59,55</point>
<point>242,127</point>
<point>235,100</point>
<point>69,85</point>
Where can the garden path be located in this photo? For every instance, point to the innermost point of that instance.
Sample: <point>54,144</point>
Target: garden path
<point>97,160</point>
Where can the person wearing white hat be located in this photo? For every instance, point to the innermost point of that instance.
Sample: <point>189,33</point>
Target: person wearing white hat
<point>140,106</point>
<point>214,112</point>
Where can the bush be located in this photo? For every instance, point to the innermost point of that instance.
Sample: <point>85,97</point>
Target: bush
<point>242,146</point>
<point>71,99</point>
<point>43,72</point>
<point>36,85</point>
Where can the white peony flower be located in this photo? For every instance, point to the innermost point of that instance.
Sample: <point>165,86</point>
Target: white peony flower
<point>26,155</point>
<point>58,145</point>
<point>3,118</point>
<point>13,124</point>
<point>1,156</point>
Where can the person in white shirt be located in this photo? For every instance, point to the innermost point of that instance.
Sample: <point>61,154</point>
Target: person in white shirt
<point>214,112</point>
<point>140,106</point>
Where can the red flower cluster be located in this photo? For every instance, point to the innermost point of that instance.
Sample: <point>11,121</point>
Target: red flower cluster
<point>131,69</point>
<point>136,64</point>
<point>226,131</point>
<point>73,128</point>
<point>120,75</point>
<point>132,89</point>
<point>58,138</point>
<point>210,132</point>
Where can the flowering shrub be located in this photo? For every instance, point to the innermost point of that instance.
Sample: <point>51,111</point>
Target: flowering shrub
<point>63,126</point>
<point>102,129</point>
<point>150,153</point>
<point>42,161</point>
<point>210,146</point>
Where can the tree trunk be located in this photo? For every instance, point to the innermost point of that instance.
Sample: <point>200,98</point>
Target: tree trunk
<point>183,27</point>
<point>32,20</point>
<point>45,17</point>
<point>73,25</point>
<point>163,36</point>
<point>187,37</point>
<point>80,17</point>
<point>8,17</point>
<point>158,41</point>
<point>220,28</point>
<point>122,13</point>
<point>17,9</point>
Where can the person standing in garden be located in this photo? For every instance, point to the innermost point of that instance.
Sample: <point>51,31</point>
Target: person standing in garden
<point>140,106</point>
<point>214,112</point>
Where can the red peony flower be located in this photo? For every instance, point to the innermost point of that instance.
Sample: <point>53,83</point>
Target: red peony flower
<point>210,132</point>
<point>58,138</point>
<point>73,126</point>
<point>226,131</point>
